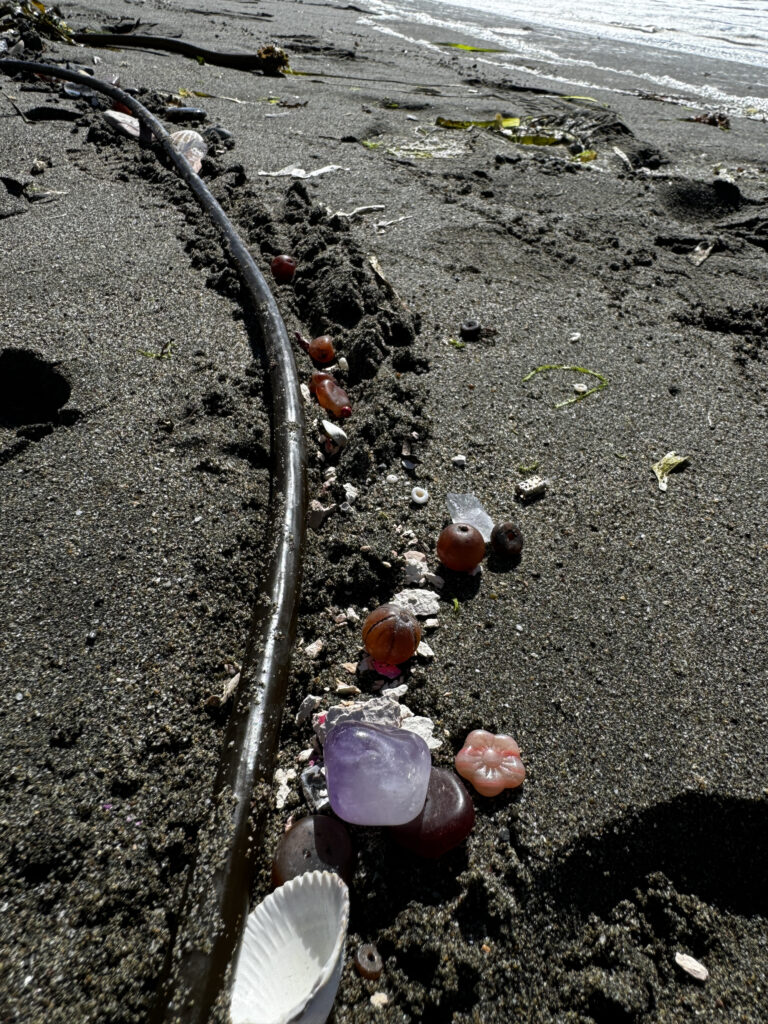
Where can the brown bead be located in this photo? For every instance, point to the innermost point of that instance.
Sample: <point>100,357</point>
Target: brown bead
<point>330,394</point>
<point>316,843</point>
<point>391,634</point>
<point>321,349</point>
<point>507,540</point>
<point>368,961</point>
<point>460,547</point>
<point>445,820</point>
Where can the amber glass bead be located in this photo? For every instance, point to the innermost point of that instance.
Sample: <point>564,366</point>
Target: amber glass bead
<point>316,843</point>
<point>321,349</point>
<point>391,634</point>
<point>460,547</point>
<point>445,821</point>
<point>330,394</point>
<point>507,540</point>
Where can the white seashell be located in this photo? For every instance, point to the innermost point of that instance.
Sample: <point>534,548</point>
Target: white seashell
<point>334,433</point>
<point>419,495</point>
<point>289,965</point>
<point>192,147</point>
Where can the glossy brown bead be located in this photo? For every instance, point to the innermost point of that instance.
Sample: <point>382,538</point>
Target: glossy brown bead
<point>283,268</point>
<point>507,540</point>
<point>316,843</point>
<point>460,547</point>
<point>330,394</point>
<point>321,349</point>
<point>445,821</point>
<point>368,962</point>
<point>391,634</point>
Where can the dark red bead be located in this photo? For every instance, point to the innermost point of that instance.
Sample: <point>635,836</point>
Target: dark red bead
<point>460,547</point>
<point>315,843</point>
<point>507,540</point>
<point>445,821</point>
<point>283,268</point>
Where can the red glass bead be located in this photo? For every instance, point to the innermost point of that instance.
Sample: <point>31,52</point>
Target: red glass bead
<point>330,394</point>
<point>460,547</point>
<point>321,349</point>
<point>391,634</point>
<point>445,821</point>
<point>283,268</point>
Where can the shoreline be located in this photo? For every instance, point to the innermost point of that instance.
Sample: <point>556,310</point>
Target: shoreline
<point>625,653</point>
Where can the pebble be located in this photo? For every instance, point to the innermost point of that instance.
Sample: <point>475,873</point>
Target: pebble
<point>434,580</point>
<point>307,708</point>
<point>392,478</point>
<point>318,513</point>
<point>425,651</point>
<point>690,966</point>
<point>342,364</point>
<point>283,777</point>
<point>352,493</point>
<point>423,603</point>
<point>422,726</point>
<point>347,690</point>
<point>315,843</point>
<point>459,460</point>
<point>379,999</point>
<point>314,649</point>
<point>315,789</point>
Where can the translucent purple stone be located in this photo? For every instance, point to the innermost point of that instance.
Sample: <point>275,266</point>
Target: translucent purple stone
<point>376,774</point>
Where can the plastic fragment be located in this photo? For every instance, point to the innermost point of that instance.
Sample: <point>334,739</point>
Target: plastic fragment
<point>702,251</point>
<point>466,508</point>
<point>668,464</point>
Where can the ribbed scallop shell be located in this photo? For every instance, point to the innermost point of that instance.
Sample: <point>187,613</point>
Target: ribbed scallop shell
<point>289,966</point>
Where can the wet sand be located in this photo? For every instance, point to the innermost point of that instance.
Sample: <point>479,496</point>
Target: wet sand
<point>626,652</point>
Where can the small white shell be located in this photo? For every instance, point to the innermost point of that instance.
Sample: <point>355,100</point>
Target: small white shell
<point>420,495</point>
<point>335,433</point>
<point>290,961</point>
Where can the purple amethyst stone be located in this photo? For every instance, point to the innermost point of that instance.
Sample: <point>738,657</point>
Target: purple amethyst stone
<point>376,774</point>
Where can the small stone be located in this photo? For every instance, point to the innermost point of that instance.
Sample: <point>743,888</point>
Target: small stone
<point>283,777</point>
<point>425,651</point>
<point>379,999</point>
<point>422,726</point>
<point>417,557</point>
<point>307,708</point>
<point>352,615</point>
<point>315,843</point>
<point>459,461</point>
<point>434,580</point>
<point>347,690</point>
<point>690,966</point>
<point>392,478</point>
<point>318,513</point>
<point>304,755</point>
<point>421,603</point>
<point>315,789</point>
<point>313,650</point>
<point>334,433</point>
<point>532,487</point>
<point>342,364</point>
<point>350,666</point>
<point>377,775</point>
<point>351,493</point>
<point>574,336</point>
<point>38,167</point>
<point>378,710</point>
<point>445,821</point>
<point>305,393</point>
<point>394,692</point>
<point>431,624</point>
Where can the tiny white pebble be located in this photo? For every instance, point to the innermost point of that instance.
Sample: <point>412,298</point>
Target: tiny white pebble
<point>690,966</point>
<point>580,389</point>
<point>342,364</point>
<point>574,336</point>
<point>420,495</point>
<point>519,627</point>
<point>379,999</point>
<point>392,478</point>
<point>459,460</point>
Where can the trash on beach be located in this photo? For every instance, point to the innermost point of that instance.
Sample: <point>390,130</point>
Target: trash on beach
<point>126,124</point>
<point>668,464</point>
<point>702,252</point>
<point>358,211</point>
<point>467,508</point>
<point>690,966</point>
<point>715,118</point>
<point>290,961</point>
<point>530,488</point>
<point>192,146</point>
<point>298,172</point>
<point>380,226</point>
<point>603,381</point>
<point>525,131</point>
<point>491,763</point>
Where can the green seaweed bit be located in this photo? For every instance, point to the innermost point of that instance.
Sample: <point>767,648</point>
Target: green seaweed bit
<point>370,144</point>
<point>455,604</point>
<point>576,369</point>
<point>456,343</point>
<point>528,469</point>
<point>165,352</point>
<point>471,49</point>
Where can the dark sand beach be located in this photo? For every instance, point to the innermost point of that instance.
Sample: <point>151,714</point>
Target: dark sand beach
<point>626,652</point>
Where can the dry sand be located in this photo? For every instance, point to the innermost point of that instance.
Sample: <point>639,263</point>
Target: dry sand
<point>626,652</point>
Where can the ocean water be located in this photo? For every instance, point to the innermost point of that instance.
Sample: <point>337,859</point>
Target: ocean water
<point>709,54</point>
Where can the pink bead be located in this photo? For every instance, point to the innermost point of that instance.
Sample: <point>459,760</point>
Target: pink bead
<point>491,763</point>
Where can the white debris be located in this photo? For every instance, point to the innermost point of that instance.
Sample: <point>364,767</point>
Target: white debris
<point>394,692</point>
<point>351,492</point>
<point>423,727</point>
<point>315,789</point>
<point>667,465</point>
<point>425,651</point>
<point>282,778</point>
<point>419,495</point>
<point>421,603</point>
<point>379,999</point>
<point>292,171</point>
<point>466,508</point>
<point>342,364</point>
<point>304,755</point>
<point>347,690</point>
<point>459,460</point>
<point>334,433</point>
<point>307,708</point>
<point>392,478</point>
<point>314,649</point>
<point>702,252</point>
<point>431,624</point>
<point>531,487</point>
<point>580,389</point>
<point>377,710</point>
<point>352,614</point>
<point>359,211</point>
<point>414,573</point>
<point>306,394</point>
<point>318,513</point>
<point>192,146</point>
<point>574,336</point>
<point>125,123</point>
<point>690,966</point>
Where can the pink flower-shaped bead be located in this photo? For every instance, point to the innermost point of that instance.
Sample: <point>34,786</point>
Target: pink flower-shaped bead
<point>491,763</point>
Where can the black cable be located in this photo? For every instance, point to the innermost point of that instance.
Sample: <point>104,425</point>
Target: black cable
<point>216,895</point>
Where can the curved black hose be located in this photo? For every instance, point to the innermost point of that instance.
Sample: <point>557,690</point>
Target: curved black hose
<point>216,898</point>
